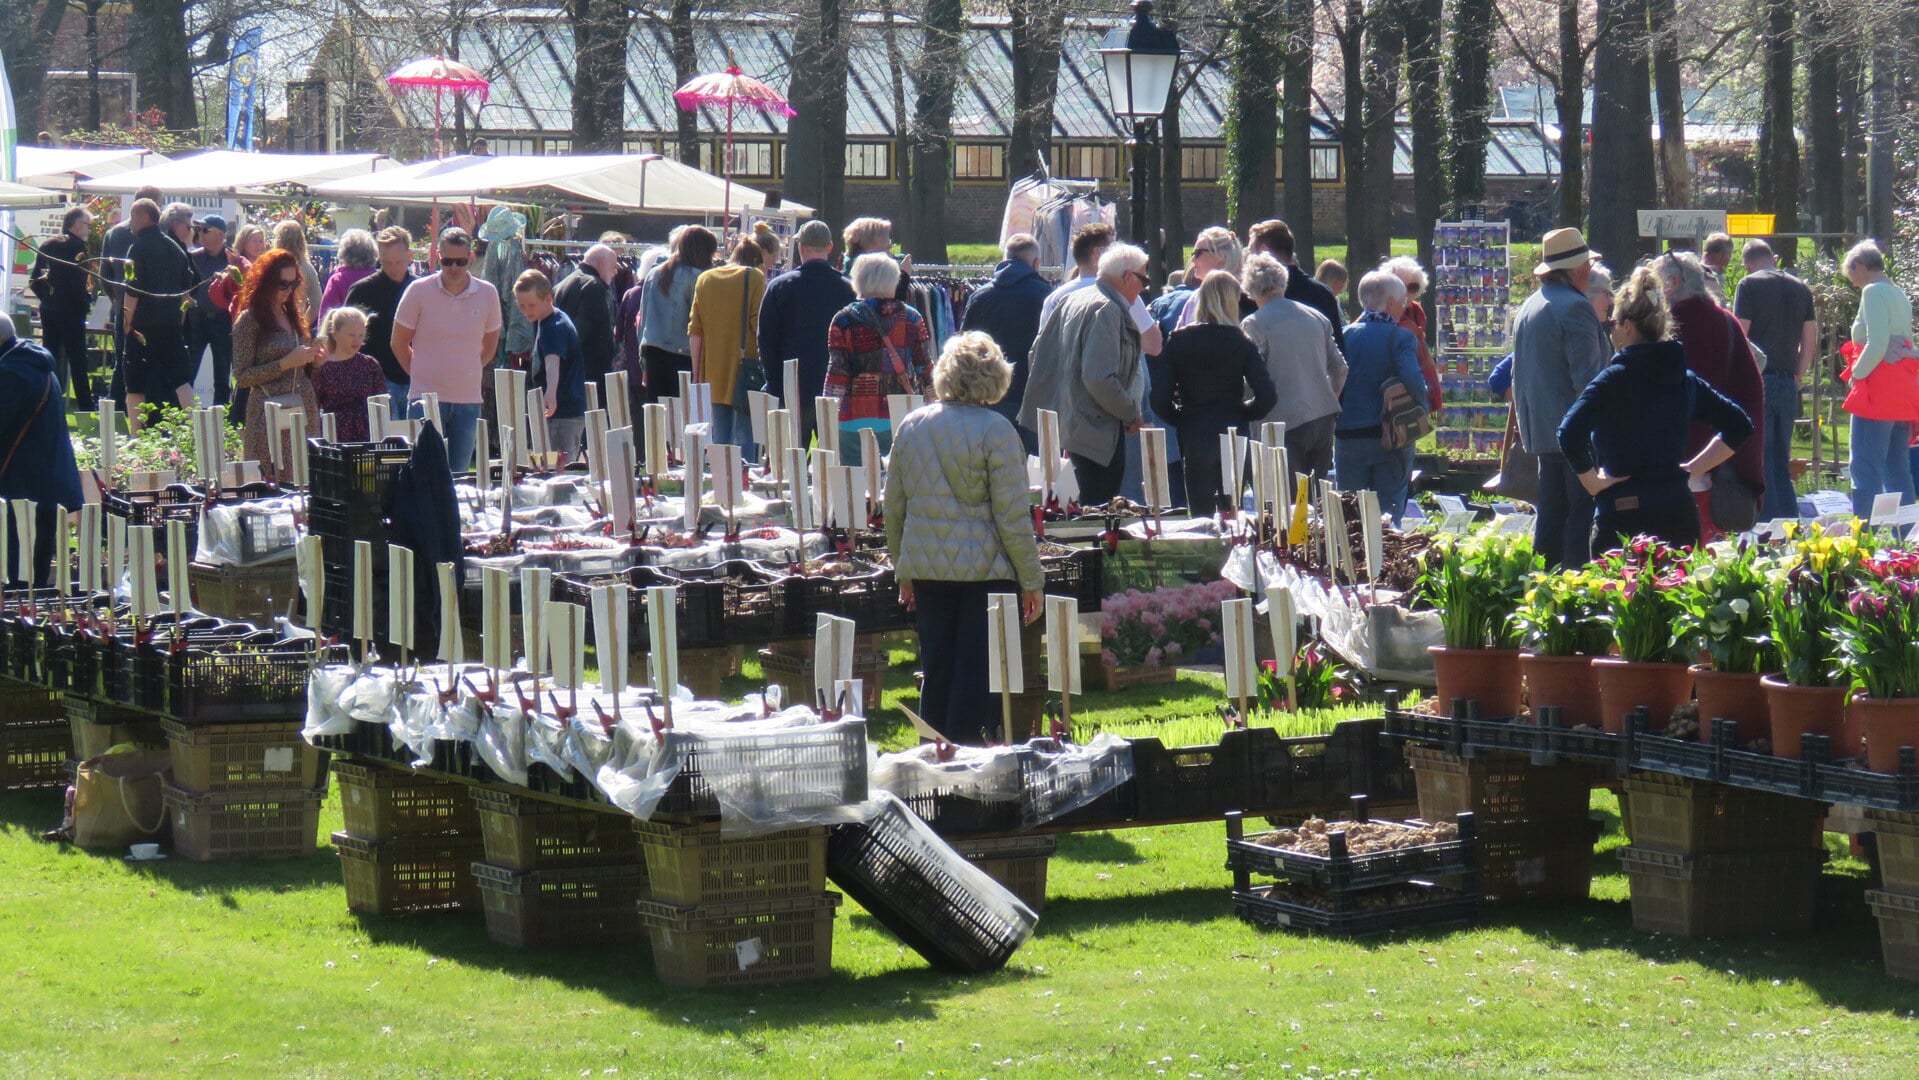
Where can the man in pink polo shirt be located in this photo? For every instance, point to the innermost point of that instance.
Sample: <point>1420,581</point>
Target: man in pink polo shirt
<point>444,334</point>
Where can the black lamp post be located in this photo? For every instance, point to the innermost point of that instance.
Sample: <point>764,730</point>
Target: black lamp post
<point>1140,60</point>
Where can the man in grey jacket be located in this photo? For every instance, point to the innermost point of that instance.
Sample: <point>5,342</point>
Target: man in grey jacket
<point>1304,360</point>
<point>1093,345</point>
<point>1558,347</point>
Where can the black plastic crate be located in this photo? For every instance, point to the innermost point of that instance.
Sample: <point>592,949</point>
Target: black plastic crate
<point>1881,791</point>
<point>952,813</point>
<point>1182,782</point>
<point>1340,871</point>
<point>20,643</point>
<point>359,473</point>
<point>1045,793</point>
<point>1080,575</point>
<point>791,769</point>
<point>732,603</point>
<point>70,659</point>
<point>239,682</point>
<point>1370,765</point>
<point>1300,773</point>
<point>339,524</point>
<point>175,502</point>
<point>870,598</point>
<point>1271,905</point>
<point>907,878</point>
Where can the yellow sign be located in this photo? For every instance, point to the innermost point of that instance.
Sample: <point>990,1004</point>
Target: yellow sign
<point>1749,224</point>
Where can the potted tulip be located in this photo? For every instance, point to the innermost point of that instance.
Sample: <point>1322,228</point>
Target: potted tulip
<point>1879,648</point>
<point>1561,624</point>
<point>1807,596</point>
<point>1723,614</point>
<point>1475,582</point>
<point>1642,607</point>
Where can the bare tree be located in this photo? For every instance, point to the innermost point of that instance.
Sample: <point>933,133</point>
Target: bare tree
<point>942,59</point>
<point>816,136</point>
<point>1423,98</point>
<point>1469,95</point>
<point>1778,146</point>
<point>1036,29</point>
<point>1297,117</point>
<point>601,31</point>
<point>1622,182</point>
<point>1252,134</point>
<point>1675,170</point>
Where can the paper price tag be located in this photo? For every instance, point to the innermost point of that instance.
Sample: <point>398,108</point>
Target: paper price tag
<point>1884,506</point>
<point>1456,521</point>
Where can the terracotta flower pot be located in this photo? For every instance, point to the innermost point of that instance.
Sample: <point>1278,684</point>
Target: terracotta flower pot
<point>1488,676</point>
<point>1889,724</point>
<point>1734,696</point>
<point>1625,686</point>
<point>1803,710</point>
<point>1563,681</point>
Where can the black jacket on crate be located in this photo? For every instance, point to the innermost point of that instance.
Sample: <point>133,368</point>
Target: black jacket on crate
<point>426,520</point>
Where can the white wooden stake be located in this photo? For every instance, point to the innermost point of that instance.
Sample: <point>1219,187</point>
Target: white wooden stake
<point>619,400</point>
<point>311,562</point>
<point>826,423</point>
<point>91,550</point>
<point>179,579</point>
<point>833,645</point>
<point>109,441</point>
<point>1005,672</point>
<point>536,588</point>
<point>693,486</point>
<point>1242,667</point>
<point>1285,626</point>
<point>663,632</point>
<point>363,596</point>
<point>610,601</point>
<point>399,598</point>
<point>536,444</point>
<point>146,591</point>
<point>621,471</point>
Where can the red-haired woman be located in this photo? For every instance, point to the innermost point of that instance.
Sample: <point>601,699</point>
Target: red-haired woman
<point>272,351</point>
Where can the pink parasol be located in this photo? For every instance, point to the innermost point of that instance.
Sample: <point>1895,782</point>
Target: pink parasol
<point>731,89</point>
<point>438,74</point>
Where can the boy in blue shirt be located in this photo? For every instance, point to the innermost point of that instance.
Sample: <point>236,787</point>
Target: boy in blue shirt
<point>559,368</point>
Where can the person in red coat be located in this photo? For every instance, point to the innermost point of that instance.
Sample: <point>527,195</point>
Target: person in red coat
<point>1408,270</point>
<point>1716,351</point>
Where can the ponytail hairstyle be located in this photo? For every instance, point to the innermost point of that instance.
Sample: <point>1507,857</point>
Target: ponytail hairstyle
<point>336,321</point>
<point>1642,302</point>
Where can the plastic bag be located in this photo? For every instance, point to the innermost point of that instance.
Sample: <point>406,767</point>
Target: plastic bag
<point>1058,778</point>
<point>247,534</point>
<point>988,774</point>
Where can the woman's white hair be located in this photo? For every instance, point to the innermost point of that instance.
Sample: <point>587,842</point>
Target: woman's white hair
<point>1120,260</point>
<point>358,250</point>
<point>1599,282</point>
<point>972,370</point>
<point>1681,275</point>
<point>1264,277</point>
<point>1379,288</point>
<point>1408,270</point>
<point>1866,255</point>
<point>1225,247</point>
<point>875,274</point>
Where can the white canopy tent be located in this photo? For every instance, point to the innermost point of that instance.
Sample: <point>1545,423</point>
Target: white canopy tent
<point>62,168</point>
<point>643,183</point>
<point>236,172</point>
<point>24,197</point>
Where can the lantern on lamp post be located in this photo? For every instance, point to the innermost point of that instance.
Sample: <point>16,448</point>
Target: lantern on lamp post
<point>1140,61</point>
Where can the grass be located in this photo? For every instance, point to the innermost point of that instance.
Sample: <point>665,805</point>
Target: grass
<point>1139,969</point>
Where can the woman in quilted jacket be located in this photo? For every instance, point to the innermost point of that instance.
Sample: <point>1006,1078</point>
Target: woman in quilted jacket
<point>959,524</point>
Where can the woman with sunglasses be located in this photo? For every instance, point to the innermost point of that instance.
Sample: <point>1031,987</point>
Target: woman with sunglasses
<point>272,351</point>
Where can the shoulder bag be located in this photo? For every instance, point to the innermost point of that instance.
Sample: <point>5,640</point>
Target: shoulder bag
<point>752,374</point>
<point>1403,421</point>
<point>21,435</point>
<point>1518,470</point>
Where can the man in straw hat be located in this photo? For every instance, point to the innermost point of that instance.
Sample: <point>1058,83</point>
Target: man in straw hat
<point>1558,347</point>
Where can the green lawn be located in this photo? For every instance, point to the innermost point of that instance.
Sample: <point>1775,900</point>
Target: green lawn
<point>1139,969</point>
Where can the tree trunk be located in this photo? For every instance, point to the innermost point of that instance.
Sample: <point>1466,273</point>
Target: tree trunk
<point>942,56</point>
<point>816,135</point>
<point>158,44</point>
<point>1852,108</point>
<point>1298,116</point>
<point>26,55</point>
<point>905,132</point>
<point>1825,128</point>
<point>1423,78</point>
<point>1470,97</point>
<point>1881,166</point>
<point>1779,172</point>
<point>1674,170</point>
<point>1253,127</point>
<point>1352,132</point>
<point>1622,157</point>
<point>1036,30</point>
<point>686,65</point>
<point>1386,53</point>
<point>599,82</point>
<point>1569,98</point>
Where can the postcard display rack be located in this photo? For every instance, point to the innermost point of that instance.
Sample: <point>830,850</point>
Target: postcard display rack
<point>1472,315</point>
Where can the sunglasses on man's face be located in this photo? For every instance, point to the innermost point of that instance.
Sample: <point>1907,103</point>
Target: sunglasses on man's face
<point>454,262</point>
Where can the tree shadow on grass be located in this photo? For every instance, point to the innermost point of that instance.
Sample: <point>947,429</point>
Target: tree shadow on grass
<point>624,974</point>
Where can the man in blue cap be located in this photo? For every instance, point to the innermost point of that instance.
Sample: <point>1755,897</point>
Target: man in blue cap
<point>210,325</point>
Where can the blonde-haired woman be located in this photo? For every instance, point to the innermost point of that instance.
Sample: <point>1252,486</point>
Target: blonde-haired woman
<point>1626,434</point>
<point>345,377</point>
<point>871,235</point>
<point>959,526</point>
<point>1199,386</point>
<point>289,235</point>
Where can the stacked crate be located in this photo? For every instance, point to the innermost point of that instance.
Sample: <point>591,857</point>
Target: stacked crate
<point>34,738</point>
<point>1708,860</point>
<point>748,911</point>
<point>1535,833</point>
<point>351,491</point>
<point>1896,902</point>
<point>94,727</point>
<point>243,790</point>
<point>409,841</point>
<point>1018,862</point>
<point>556,875</point>
<point>1348,893</point>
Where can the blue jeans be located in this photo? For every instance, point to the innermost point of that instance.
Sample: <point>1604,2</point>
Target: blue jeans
<point>1879,462</point>
<point>460,421</point>
<point>734,427</point>
<point>1782,408</point>
<point>1362,464</point>
<point>396,393</point>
